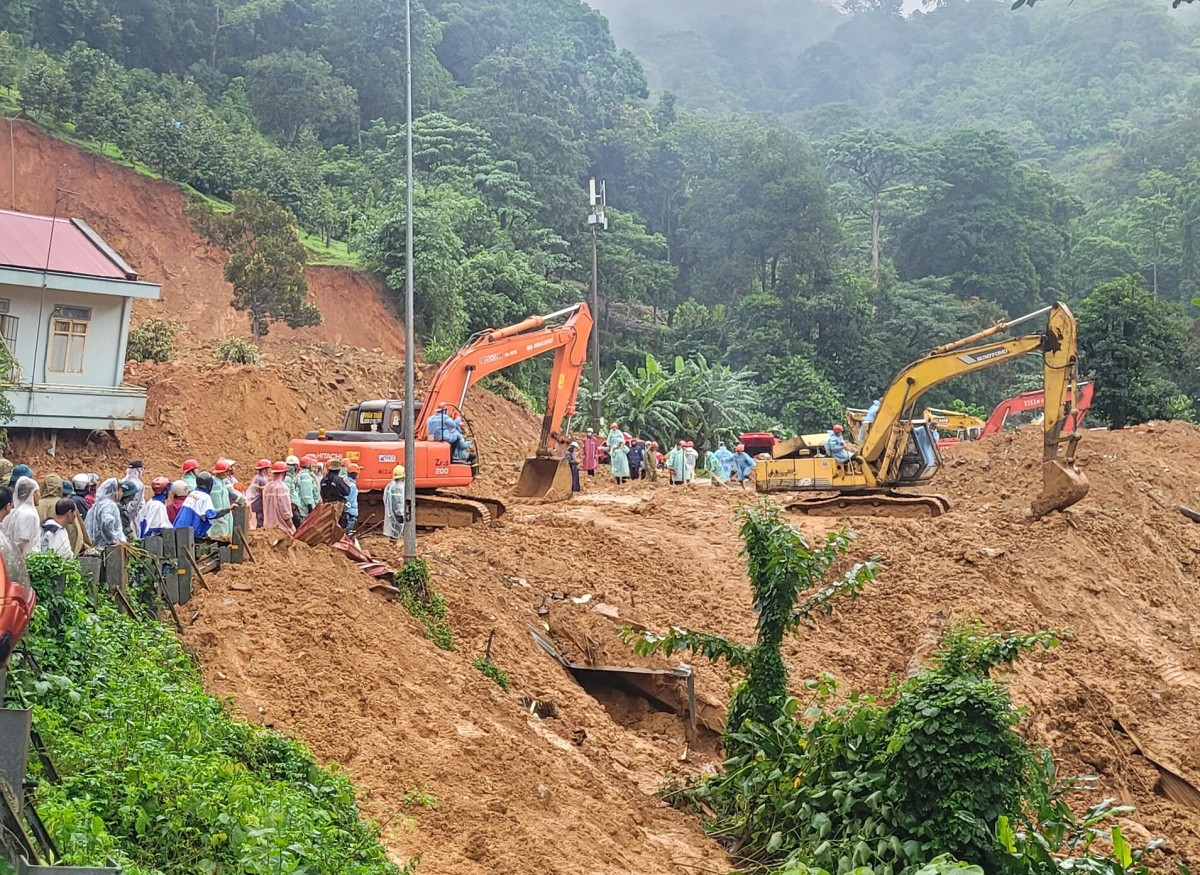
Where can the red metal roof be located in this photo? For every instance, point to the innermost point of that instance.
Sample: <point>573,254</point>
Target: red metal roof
<point>25,240</point>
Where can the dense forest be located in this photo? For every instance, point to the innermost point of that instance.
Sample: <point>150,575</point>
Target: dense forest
<point>804,201</point>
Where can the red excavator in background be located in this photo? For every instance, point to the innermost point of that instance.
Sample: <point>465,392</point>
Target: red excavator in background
<point>371,435</point>
<point>1036,400</point>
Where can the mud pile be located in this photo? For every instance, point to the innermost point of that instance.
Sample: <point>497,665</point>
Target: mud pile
<point>1117,699</point>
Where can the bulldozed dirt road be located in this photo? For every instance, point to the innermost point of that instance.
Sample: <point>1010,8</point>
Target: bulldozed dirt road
<point>299,642</point>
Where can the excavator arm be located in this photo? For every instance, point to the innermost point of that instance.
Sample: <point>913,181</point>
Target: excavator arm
<point>496,349</point>
<point>1063,484</point>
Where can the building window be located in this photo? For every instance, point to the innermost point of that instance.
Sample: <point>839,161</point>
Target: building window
<point>8,333</point>
<point>68,338</point>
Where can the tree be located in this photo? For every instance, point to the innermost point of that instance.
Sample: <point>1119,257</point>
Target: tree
<point>266,260</point>
<point>878,160</point>
<point>290,90</point>
<point>1155,215</point>
<point>1130,341</point>
<point>102,113</point>
<point>45,90</point>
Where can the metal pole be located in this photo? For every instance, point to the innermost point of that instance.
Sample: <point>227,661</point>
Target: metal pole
<point>410,464</point>
<point>597,413</point>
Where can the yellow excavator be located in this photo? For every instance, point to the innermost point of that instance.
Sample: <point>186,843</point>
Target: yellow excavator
<point>899,451</point>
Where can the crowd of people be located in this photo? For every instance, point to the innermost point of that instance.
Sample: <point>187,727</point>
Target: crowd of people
<point>73,515</point>
<point>633,458</point>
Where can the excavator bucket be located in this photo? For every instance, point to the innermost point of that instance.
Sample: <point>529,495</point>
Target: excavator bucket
<point>544,477</point>
<point>1062,486</point>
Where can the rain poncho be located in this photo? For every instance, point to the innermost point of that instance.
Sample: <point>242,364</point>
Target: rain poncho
<point>254,494</point>
<point>591,453</point>
<point>104,519</point>
<point>22,525</point>
<point>197,513</point>
<point>618,454</point>
<point>190,479</point>
<point>352,498</point>
<point>715,467</point>
<point>725,456</point>
<point>676,464</point>
<point>744,465</point>
<point>222,529</point>
<point>135,504</point>
<point>153,518</point>
<point>52,491</point>
<point>868,418</point>
<point>277,506</point>
<point>306,485</point>
<point>444,427</point>
<point>292,481</point>
<point>393,509</point>
<point>6,469</point>
<point>835,446</point>
<point>690,455</point>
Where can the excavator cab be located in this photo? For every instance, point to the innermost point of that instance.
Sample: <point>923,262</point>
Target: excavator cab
<point>921,459</point>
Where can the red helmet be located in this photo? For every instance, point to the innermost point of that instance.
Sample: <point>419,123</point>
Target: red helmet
<point>279,468</point>
<point>160,484</point>
<point>837,429</point>
<point>310,459</point>
<point>190,465</point>
<point>221,466</point>
<point>262,463</point>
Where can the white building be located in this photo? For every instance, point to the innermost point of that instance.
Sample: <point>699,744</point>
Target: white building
<point>65,302</point>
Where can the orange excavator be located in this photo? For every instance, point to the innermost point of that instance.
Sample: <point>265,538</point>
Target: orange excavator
<point>1036,400</point>
<point>371,435</point>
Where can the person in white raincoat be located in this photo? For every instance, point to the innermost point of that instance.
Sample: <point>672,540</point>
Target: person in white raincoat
<point>393,505</point>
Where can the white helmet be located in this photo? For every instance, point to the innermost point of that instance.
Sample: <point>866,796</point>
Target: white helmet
<point>292,460</point>
<point>80,482</point>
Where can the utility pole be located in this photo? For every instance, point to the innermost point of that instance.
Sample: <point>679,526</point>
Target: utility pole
<point>410,455</point>
<point>597,222</point>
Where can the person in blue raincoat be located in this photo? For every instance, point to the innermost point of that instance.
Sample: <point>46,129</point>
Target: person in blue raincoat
<point>725,457</point>
<point>871,413</point>
<point>744,465</point>
<point>444,427</point>
<point>835,446</point>
<point>618,454</point>
<point>198,512</point>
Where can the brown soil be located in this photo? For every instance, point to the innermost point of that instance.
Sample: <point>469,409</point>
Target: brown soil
<point>142,219</point>
<point>1119,571</point>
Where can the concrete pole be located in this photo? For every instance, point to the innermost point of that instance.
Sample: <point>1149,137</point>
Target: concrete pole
<point>410,460</point>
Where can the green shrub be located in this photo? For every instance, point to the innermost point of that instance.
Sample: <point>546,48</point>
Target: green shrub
<point>236,351</point>
<point>424,602</point>
<point>489,669</point>
<point>157,774</point>
<point>153,340</point>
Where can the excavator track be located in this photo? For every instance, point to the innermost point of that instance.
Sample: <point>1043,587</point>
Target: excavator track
<point>889,504</point>
<point>437,510</point>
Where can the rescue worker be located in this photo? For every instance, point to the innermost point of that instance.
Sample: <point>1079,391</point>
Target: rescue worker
<point>198,513</point>
<point>335,490</point>
<point>153,518</point>
<point>715,468</point>
<point>690,455</point>
<point>128,492</point>
<point>637,456</point>
<point>254,491</point>
<point>179,491</point>
<point>52,491</point>
<point>55,537</point>
<point>868,418</point>
<point>591,453</point>
<point>23,526</point>
<point>306,485</point>
<point>744,465</point>
<point>293,484</point>
<point>393,505</point>
<point>725,456</point>
<point>277,500</point>
<point>650,462</point>
<point>677,465</point>
<point>103,521</point>
<point>190,468</point>
<point>221,528</point>
<point>836,447</point>
<point>618,454</point>
<point>573,462</point>
<point>444,427</point>
<point>133,474</point>
<point>6,469</point>
<point>351,474</point>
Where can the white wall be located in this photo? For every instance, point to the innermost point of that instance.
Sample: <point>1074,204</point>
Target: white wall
<point>103,352</point>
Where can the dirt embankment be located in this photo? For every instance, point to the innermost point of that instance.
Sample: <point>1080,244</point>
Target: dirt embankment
<point>1117,699</point>
<point>143,220</point>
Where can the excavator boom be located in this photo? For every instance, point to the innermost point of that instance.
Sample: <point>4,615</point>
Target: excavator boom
<point>899,451</point>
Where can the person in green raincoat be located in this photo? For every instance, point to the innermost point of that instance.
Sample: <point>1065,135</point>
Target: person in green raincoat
<point>677,465</point>
<point>222,527</point>
<point>715,468</point>
<point>618,453</point>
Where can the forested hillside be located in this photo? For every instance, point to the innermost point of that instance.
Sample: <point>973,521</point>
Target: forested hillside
<point>903,181</point>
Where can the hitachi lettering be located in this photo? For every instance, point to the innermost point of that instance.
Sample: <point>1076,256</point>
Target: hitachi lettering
<point>984,356</point>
